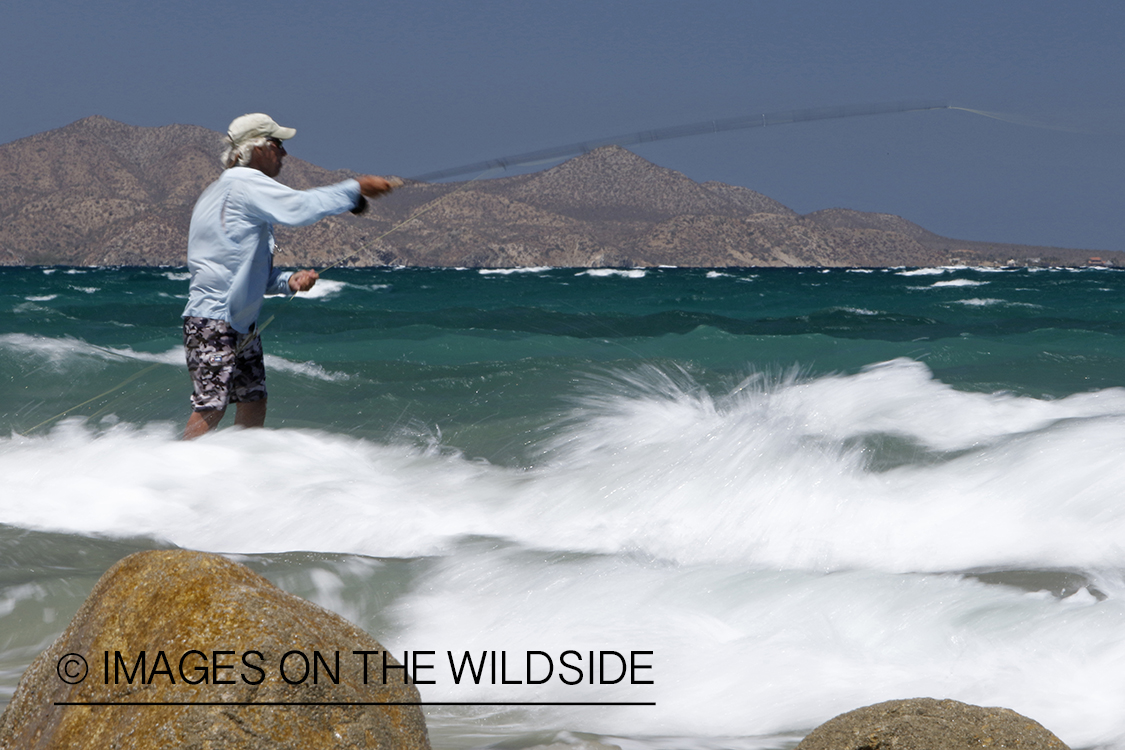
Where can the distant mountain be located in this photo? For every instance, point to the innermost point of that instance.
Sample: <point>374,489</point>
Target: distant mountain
<point>99,192</point>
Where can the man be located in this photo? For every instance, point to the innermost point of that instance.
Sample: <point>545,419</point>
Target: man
<point>230,258</point>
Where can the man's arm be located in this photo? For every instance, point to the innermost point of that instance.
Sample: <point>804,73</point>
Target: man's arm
<point>279,204</point>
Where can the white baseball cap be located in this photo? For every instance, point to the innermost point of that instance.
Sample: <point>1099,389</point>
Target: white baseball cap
<point>257,125</point>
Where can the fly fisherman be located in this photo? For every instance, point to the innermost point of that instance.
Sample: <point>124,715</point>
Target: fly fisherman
<point>230,258</point>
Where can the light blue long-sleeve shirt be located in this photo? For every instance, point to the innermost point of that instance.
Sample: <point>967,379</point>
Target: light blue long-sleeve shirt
<point>230,242</point>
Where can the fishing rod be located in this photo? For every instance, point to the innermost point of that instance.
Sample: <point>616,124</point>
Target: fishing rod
<point>744,122</point>
<point>560,152</point>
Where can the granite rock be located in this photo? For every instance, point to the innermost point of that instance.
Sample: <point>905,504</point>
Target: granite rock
<point>213,634</point>
<point>930,724</point>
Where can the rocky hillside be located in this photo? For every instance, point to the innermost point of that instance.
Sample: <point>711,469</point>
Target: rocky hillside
<point>99,192</point>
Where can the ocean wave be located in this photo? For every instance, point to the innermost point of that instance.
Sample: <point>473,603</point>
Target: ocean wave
<point>64,353</point>
<point>879,470</point>
<point>509,271</point>
<point>991,301</point>
<point>979,301</point>
<point>934,271</point>
<point>958,282</point>
<point>625,273</point>
<point>940,270</point>
<point>737,277</point>
<point>783,527</point>
<point>30,307</point>
<point>755,646</point>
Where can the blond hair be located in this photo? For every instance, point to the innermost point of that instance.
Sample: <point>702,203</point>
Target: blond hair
<point>238,154</point>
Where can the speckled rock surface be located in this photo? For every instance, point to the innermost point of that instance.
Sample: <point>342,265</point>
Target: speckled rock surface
<point>176,602</point>
<point>929,724</point>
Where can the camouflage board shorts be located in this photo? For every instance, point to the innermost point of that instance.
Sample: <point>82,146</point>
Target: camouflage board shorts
<point>225,365</point>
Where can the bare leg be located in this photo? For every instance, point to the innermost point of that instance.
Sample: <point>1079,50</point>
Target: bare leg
<point>201,422</point>
<point>251,413</point>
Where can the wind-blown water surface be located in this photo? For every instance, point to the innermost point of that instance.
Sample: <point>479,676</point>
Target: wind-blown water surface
<point>804,491</point>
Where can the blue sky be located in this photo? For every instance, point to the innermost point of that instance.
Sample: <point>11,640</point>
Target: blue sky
<point>411,87</point>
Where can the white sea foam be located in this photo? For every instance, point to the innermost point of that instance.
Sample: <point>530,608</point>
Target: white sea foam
<point>742,278</point>
<point>938,270</point>
<point>63,354</point>
<point>979,301</point>
<point>743,536</point>
<point>509,271</point>
<point>929,271</point>
<point>176,275</point>
<point>626,273</point>
<point>25,308</point>
<point>958,282</point>
<point>770,475</point>
<point>304,369</point>
<point>741,652</point>
<point>41,297</point>
<point>60,352</point>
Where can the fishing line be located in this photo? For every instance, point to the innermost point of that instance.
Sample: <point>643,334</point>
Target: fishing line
<point>1017,120</point>
<point>120,385</point>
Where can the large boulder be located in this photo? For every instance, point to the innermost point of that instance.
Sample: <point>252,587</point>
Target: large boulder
<point>202,619</point>
<point>929,724</point>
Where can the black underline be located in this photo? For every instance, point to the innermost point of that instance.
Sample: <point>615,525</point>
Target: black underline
<point>352,703</point>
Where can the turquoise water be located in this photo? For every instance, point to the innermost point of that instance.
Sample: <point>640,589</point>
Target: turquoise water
<point>804,490</point>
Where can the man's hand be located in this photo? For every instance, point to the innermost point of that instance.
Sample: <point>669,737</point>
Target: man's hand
<point>302,281</point>
<point>373,187</point>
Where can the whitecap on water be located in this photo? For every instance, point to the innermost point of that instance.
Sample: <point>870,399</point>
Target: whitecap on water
<point>509,271</point>
<point>626,273</point>
<point>744,535</point>
<point>958,282</point>
<point>63,353</point>
<point>938,271</point>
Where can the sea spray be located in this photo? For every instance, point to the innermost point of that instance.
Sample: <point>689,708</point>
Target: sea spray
<point>802,491</point>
